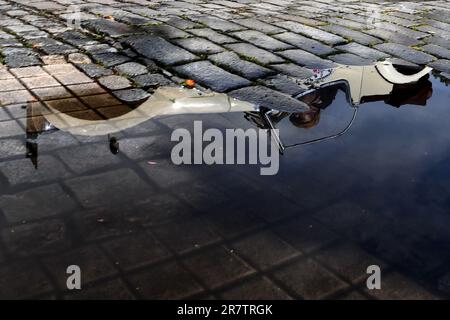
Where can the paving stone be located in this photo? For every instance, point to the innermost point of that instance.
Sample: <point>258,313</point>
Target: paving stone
<point>363,51</point>
<point>256,289</point>
<point>352,35</point>
<point>160,50</point>
<point>346,23</point>
<point>75,77</point>
<point>10,84</point>
<point>88,157</point>
<point>76,38</point>
<point>97,49</point>
<point>152,80</point>
<point>437,51</point>
<point>108,189</point>
<point>441,65</point>
<point>35,203</point>
<point>181,23</point>
<point>110,59</point>
<point>261,40</point>
<point>111,28</point>
<point>167,32</point>
<point>93,263</point>
<point>79,58</point>
<point>60,68</point>
<point>306,59</point>
<point>309,280</point>
<point>53,59</point>
<point>393,36</point>
<point>36,238</point>
<point>350,59</point>
<point>433,30</point>
<point>405,53</point>
<point>86,89</point>
<point>10,129</point>
<point>100,100</point>
<point>193,234</point>
<point>398,287</point>
<point>231,61</point>
<point>113,111</point>
<point>256,24</point>
<point>166,281</point>
<point>304,43</point>
<point>214,77</point>
<point>114,82</point>
<point>438,24</point>
<point>23,171</point>
<point>264,250</point>
<point>40,82</point>
<point>59,49</point>
<point>94,70</point>
<point>4,115</point>
<point>131,69</point>
<point>438,40</point>
<point>14,97</point>
<point>396,28</point>
<point>305,234</point>
<point>29,280</point>
<point>135,251</point>
<point>199,45</point>
<point>311,32</point>
<point>254,53</point>
<point>66,104</point>
<point>213,36</point>
<point>52,93</point>
<point>106,290</point>
<point>131,95</point>
<point>218,24</point>
<point>217,267</point>
<point>348,261</point>
<point>20,60</point>
<point>293,70</point>
<point>4,74</point>
<point>284,84</point>
<point>28,72</point>
<point>269,98</point>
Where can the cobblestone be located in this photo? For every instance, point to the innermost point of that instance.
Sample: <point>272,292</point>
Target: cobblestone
<point>363,51</point>
<point>405,53</point>
<point>231,61</point>
<point>254,53</point>
<point>213,36</point>
<point>313,33</point>
<point>306,59</point>
<point>114,82</point>
<point>304,43</point>
<point>199,45</point>
<point>31,204</point>
<point>437,51</point>
<point>131,95</point>
<point>261,40</point>
<point>160,50</point>
<point>214,77</point>
<point>266,97</point>
<point>74,205</point>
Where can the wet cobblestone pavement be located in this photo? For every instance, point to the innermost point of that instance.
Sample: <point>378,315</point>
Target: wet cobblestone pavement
<point>141,227</point>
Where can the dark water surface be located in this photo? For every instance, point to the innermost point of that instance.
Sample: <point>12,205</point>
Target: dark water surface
<point>142,227</point>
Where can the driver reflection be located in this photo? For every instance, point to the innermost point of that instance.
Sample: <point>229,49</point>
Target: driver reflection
<point>402,94</point>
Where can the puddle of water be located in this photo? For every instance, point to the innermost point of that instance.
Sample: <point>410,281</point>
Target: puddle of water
<point>384,184</point>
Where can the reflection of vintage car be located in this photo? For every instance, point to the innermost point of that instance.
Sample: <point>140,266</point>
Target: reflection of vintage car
<point>361,83</point>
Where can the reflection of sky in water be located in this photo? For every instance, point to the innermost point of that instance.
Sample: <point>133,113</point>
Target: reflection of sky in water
<point>383,140</point>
